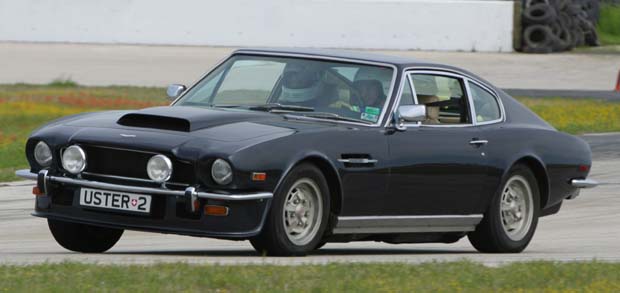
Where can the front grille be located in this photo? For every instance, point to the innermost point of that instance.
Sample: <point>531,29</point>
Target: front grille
<point>132,164</point>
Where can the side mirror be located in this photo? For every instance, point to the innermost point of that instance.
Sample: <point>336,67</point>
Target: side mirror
<point>175,90</point>
<point>409,113</point>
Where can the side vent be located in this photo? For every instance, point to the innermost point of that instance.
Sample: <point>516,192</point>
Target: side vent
<point>154,121</point>
<point>357,160</point>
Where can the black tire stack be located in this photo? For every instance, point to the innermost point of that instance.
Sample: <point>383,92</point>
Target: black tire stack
<point>559,25</point>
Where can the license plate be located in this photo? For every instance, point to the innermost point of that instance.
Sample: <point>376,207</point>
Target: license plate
<point>115,200</point>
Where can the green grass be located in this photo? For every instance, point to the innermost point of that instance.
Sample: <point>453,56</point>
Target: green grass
<point>24,107</point>
<point>394,277</point>
<point>576,116</point>
<point>609,25</point>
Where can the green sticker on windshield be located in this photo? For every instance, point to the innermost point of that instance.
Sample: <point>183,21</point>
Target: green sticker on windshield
<point>369,117</point>
<point>372,110</point>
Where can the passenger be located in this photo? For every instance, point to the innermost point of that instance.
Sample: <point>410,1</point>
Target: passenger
<point>371,99</point>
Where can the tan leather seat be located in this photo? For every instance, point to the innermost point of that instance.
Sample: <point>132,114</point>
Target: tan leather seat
<point>432,112</point>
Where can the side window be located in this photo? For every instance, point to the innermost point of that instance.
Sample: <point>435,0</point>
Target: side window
<point>406,96</point>
<point>444,97</point>
<point>487,108</point>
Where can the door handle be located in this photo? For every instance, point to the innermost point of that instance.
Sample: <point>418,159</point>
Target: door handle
<point>478,142</point>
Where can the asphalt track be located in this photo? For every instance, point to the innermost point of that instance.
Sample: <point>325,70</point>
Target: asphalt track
<point>586,228</point>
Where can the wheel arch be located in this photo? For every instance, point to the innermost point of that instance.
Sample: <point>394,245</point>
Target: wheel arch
<point>540,172</point>
<point>330,172</point>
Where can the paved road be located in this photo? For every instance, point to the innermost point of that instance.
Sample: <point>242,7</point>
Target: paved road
<point>162,65</point>
<point>586,228</point>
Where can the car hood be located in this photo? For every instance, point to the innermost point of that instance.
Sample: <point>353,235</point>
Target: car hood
<point>179,124</point>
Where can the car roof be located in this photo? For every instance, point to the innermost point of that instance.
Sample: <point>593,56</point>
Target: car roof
<point>344,54</point>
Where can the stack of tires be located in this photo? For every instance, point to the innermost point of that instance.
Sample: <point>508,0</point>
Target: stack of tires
<point>559,25</point>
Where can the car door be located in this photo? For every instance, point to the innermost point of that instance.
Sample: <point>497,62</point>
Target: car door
<point>436,166</point>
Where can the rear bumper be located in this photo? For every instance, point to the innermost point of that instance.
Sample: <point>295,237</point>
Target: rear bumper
<point>171,210</point>
<point>583,183</point>
<point>579,184</point>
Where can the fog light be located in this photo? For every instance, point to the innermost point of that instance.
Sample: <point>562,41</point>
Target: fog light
<point>74,159</point>
<point>159,168</point>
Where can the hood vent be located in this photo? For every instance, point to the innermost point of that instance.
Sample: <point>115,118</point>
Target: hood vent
<point>155,121</point>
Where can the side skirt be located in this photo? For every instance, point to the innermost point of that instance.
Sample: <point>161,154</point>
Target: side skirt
<point>406,224</point>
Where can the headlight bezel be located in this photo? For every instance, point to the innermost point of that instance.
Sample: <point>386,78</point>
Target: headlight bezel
<point>221,172</point>
<point>45,148</point>
<point>166,162</point>
<point>79,152</point>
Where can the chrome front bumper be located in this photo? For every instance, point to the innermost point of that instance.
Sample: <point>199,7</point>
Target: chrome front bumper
<point>43,178</point>
<point>583,183</point>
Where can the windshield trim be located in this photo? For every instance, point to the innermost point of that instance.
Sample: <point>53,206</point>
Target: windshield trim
<point>388,98</point>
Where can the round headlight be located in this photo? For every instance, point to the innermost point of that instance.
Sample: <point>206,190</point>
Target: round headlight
<point>43,154</point>
<point>159,168</point>
<point>221,172</point>
<point>74,159</point>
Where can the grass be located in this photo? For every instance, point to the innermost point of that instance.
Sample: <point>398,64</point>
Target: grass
<point>576,116</point>
<point>395,277</point>
<point>24,107</point>
<point>609,24</point>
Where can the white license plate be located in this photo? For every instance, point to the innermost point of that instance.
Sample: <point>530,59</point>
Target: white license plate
<point>115,200</point>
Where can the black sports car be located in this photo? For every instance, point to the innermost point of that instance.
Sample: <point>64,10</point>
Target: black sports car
<point>295,148</point>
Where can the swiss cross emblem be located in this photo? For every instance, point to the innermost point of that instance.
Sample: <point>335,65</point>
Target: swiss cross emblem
<point>134,202</point>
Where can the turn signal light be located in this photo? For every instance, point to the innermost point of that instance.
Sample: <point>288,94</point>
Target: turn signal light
<point>37,191</point>
<point>213,210</point>
<point>259,176</point>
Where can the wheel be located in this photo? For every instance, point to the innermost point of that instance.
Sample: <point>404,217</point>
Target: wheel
<point>511,219</point>
<point>82,237</point>
<point>298,215</point>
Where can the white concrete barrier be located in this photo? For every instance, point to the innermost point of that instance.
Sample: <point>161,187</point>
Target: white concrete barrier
<point>455,25</point>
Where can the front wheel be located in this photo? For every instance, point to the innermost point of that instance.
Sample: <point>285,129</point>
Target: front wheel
<point>511,219</point>
<point>298,216</point>
<point>83,238</point>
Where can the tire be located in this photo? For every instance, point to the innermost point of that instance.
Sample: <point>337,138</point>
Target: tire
<point>539,14</point>
<point>83,238</point>
<point>538,39</point>
<point>529,3</point>
<point>563,40</point>
<point>494,234</point>
<point>280,235</point>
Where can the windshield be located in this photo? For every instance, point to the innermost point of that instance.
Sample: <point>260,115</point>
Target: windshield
<point>295,86</point>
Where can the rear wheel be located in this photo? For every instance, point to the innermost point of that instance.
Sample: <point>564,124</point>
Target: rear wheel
<point>511,219</point>
<point>298,215</point>
<point>82,237</point>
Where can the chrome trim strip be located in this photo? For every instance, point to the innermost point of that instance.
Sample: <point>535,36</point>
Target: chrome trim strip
<point>406,224</point>
<point>319,57</point>
<point>358,161</point>
<point>583,183</point>
<point>478,142</point>
<point>148,190</point>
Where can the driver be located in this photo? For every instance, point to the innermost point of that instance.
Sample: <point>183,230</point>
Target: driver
<point>301,85</point>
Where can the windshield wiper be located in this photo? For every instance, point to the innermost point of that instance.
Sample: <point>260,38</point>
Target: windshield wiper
<point>277,106</point>
<point>332,116</point>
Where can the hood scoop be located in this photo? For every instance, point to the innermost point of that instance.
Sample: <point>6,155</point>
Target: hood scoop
<point>155,121</point>
<point>187,119</point>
